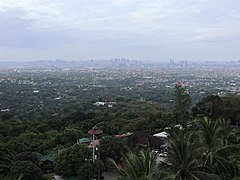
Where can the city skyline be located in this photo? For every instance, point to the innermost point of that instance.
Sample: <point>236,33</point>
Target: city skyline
<point>136,29</point>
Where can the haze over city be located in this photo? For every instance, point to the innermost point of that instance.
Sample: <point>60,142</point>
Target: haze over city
<point>154,30</point>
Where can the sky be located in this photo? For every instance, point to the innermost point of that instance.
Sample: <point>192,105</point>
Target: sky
<point>153,30</point>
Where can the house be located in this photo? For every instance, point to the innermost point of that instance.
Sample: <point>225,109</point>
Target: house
<point>161,134</point>
<point>108,104</point>
<point>47,164</point>
<point>99,103</point>
<point>120,136</point>
<point>84,141</point>
<point>89,142</point>
<point>144,140</point>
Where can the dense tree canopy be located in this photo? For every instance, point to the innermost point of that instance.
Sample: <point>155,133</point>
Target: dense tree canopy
<point>6,159</point>
<point>74,161</point>
<point>26,170</point>
<point>112,147</point>
<point>47,127</point>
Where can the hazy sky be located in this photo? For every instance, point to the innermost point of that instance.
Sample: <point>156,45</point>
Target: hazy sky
<point>135,29</point>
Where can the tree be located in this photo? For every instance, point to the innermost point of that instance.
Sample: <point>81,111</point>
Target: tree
<point>6,159</point>
<point>211,106</point>
<point>184,159</point>
<point>148,124</point>
<point>111,147</point>
<point>17,147</point>
<point>5,116</point>
<point>182,104</point>
<point>26,170</point>
<point>139,166</point>
<point>34,141</point>
<point>216,152</point>
<point>28,156</point>
<point>68,136</point>
<point>74,161</point>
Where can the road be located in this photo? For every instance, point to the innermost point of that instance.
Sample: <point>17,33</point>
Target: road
<point>109,176</point>
<point>58,177</point>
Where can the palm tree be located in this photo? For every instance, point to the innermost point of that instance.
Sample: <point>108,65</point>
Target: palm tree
<point>209,133</point>
<point>228,134</point>
<point>137,166</point>
<point>206,153</point>
<point>183,160</point>
<point>216,151</point>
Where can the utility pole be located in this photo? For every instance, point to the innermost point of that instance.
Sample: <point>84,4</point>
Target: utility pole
<point>96,131</point>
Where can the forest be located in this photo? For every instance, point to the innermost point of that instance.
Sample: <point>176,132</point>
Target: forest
<point>202,138</point>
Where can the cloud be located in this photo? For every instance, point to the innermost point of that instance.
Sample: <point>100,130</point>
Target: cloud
<point>123,24</point>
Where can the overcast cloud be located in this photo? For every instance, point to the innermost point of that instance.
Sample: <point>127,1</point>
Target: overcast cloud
<point>136,29</point>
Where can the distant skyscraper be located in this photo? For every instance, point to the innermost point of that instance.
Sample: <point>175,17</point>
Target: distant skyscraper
<point>172,63</point>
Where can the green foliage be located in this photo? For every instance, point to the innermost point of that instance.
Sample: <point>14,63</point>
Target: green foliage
<point>149,124</point>
<point>69,136</point>
<point>215,108</point>
<point>182,104</point>
<point>217,153</point>
<point>6,159</point>
<point>26,170</point>
<point>35,141</point>
<point>204,151</point>
<point>184,159</point>
<point>139,166</point>
<point>74,161</point>
<point>111,147</point>
<point>5,116</point>
<point>41,123</point>
<point>209,132</point>
<point>28,156</point>
<point>210,106</point>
